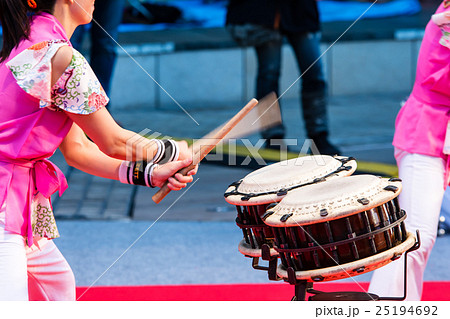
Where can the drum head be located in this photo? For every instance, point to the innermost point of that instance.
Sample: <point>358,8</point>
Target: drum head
<point>269,184</point>
<point>331,200</point>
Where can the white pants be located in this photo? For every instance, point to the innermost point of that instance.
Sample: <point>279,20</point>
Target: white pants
<point>421,198</point>
<point>32,273</point>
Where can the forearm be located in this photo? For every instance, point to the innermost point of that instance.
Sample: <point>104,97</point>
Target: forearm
<point>113,140</point>
<point>130,146</point>
<point>88,158</point>
<point>84,155</point>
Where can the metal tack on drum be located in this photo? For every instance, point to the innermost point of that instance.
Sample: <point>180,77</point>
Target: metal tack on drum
<point>363,201</point>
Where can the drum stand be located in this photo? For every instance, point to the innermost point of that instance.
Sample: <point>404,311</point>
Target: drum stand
<point>272,268</point>
<point>302,286</point>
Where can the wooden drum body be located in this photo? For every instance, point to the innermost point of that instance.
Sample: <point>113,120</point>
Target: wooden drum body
<point>340,228</point>
<point>258,191</point>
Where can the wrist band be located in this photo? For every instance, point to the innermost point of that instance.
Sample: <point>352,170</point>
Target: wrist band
<point>159,150</point>
<point>171,151</point>
<point>136,173</point>
<point>167,151</point>
<point>150,174</point>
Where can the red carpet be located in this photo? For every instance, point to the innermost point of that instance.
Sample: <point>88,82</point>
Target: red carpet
<point>433,291</point>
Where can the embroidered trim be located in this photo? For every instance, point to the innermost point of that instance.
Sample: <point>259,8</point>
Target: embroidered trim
<point>42,219</point>
<point>78,89</point>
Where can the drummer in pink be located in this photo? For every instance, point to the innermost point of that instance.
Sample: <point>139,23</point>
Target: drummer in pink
<point>422,145</point>
<point>49,98</point>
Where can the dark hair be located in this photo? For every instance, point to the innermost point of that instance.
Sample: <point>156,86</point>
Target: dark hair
<point>14,17</point>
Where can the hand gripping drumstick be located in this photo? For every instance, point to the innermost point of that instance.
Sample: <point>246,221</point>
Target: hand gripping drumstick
<point>201,149</point>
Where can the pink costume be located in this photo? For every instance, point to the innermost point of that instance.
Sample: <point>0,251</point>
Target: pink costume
<point>421,124</point>
<point>32,125</point>
<point>421,140</point>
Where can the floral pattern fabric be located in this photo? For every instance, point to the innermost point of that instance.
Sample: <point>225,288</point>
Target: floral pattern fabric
<point>445,40</point>
<point>43,222</point>
<point>442,20</point>
<point>76,91</point>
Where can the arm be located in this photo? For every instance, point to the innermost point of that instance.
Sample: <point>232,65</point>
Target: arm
<point>84,155</point>
<point>114,141</point>
<point>111,139</point>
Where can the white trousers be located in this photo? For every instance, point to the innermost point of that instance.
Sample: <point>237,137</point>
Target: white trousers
<point>32,273</point>
<point>421,198</point>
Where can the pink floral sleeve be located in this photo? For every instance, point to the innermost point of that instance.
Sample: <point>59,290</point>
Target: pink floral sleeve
<point>77,90</point>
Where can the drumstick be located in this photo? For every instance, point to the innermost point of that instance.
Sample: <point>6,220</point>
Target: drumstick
<point>265,115</point>
<point>201,149</point>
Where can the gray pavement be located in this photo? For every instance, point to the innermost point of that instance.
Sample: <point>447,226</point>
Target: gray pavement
<point>191,237</point>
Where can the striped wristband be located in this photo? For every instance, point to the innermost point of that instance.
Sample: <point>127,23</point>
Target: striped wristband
<point>167,151</point>
<point>137,173</point>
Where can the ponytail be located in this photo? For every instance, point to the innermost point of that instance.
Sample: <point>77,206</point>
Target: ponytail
<point>14,17</point>
<point>15,24</point>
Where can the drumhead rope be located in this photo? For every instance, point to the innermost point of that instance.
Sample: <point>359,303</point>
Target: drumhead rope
<point>271,183</point>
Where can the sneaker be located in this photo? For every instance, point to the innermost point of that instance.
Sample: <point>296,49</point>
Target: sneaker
<point>324,146</point>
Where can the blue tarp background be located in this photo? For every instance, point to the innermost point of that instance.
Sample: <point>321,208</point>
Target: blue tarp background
<point>350,11</point>
<point>198,14</point>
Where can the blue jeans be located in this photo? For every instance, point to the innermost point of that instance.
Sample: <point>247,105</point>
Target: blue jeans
<point>306,47</point>
<point>108,14</point>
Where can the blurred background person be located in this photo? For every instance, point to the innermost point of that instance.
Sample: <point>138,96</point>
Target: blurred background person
<point>264,24</point>
<point>422,148</point>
